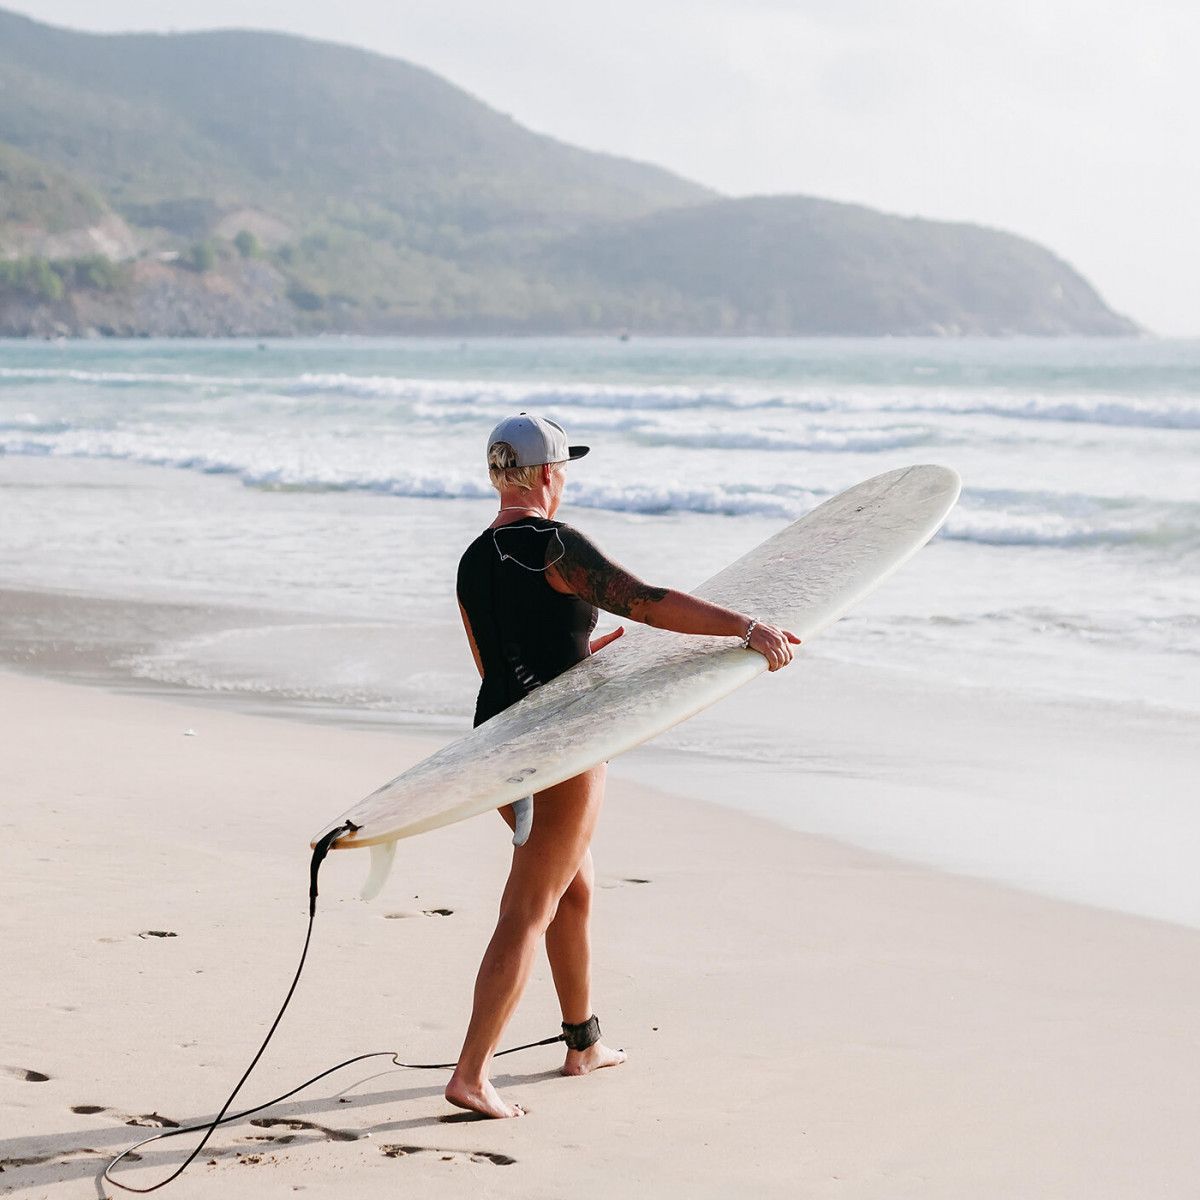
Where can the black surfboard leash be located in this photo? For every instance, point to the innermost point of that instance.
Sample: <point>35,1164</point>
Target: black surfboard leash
<point>320,850</point>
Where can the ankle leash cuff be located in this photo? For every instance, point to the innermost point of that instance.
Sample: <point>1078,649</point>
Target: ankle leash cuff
<point>580,1037</point>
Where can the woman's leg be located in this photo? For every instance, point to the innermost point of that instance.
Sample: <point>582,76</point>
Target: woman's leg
<point>541,871</point>
<point>569,949</point>
<point>569,946</point>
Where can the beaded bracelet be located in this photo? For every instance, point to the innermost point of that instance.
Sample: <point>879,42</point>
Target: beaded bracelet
<point>749,631</point>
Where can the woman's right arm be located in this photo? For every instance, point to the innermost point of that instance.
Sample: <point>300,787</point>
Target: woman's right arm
<point>471,638</point>
<point>583,570</point>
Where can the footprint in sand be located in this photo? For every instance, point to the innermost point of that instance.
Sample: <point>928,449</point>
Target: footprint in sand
<point>12,1164</point>
<point>425,912</point>
<point>146,1120</point>
<point>26,1075</point>
<point>145,933</point>
<point>477,1156</point>
<point>334,1135</point>
<point>628,881</point>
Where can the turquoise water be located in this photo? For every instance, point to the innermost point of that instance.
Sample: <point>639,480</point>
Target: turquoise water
<point>339,478</point>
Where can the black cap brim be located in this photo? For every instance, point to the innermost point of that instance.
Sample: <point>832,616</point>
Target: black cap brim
<point>577,451</point>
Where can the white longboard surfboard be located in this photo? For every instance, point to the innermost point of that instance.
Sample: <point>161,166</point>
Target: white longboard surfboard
<point>802,579</point>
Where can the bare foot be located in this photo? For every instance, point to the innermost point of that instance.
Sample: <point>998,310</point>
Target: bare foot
<point>485,1100</point>
<point>597,1055</point>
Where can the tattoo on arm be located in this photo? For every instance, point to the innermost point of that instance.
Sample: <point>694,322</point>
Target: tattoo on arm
<point>594,577</point>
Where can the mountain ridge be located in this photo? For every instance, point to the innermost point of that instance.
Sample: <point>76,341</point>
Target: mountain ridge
<point>362,192</point>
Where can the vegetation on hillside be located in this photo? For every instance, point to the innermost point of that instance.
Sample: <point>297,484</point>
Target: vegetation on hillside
<point>41,279</point>
<point>34,193</point>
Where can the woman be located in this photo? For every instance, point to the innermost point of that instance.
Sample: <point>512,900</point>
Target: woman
<point>528,590</point>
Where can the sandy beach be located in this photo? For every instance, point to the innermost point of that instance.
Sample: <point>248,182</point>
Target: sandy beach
<point>802,1018</point>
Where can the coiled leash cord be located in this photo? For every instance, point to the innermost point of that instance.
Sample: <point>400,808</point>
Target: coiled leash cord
<point>319,852</point>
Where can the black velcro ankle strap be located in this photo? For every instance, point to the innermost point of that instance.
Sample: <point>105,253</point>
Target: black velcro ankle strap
<point>580,1037</point>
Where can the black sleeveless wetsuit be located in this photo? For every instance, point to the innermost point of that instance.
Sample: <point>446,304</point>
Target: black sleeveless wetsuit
<point>525,631</point>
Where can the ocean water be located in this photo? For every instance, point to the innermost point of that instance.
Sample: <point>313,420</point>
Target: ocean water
<point>338,479</point>
<point>281,522</point>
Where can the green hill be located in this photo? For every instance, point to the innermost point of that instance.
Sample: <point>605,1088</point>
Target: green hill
<point>318,186</point>
<point>275,120</point>
<point>792,264</point>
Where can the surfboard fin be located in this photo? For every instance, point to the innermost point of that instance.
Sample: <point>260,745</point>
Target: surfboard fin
<point>382,856</point>
<point>523,811</point>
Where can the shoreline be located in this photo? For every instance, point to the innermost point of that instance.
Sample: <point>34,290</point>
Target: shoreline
<point>22,599</point>
<point>1082,801</point>
<point>878,1030</point>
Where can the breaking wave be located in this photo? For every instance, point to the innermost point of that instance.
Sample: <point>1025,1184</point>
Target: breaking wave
<point>996,517</point>
<point>438,398</point>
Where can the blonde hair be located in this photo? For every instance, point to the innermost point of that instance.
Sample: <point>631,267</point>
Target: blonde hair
<point>504,472</point>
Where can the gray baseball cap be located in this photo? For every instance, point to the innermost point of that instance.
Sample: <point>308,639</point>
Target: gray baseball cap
<point>536,440</point>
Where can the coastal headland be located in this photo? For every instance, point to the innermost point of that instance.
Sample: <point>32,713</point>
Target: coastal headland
<point>241,183</point>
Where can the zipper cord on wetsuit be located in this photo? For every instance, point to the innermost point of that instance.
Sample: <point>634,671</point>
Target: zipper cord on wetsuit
<point>319,852</point>
<point>562,550</point>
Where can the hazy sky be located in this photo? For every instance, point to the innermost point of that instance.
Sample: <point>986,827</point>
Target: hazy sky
<point>1071,122</point>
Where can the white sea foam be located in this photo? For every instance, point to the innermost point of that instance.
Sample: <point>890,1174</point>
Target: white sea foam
<point>780,500</point>
<point>360,665</point>
<point>117,378</point>
<point>509,394</point>
<point>1000,528</point>
<point>814,439</point>
<point>648,430</point>
<point>1012,517</point>
<point>998,517</point>
<point>1163,411</point>
<point>1177,412</point>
